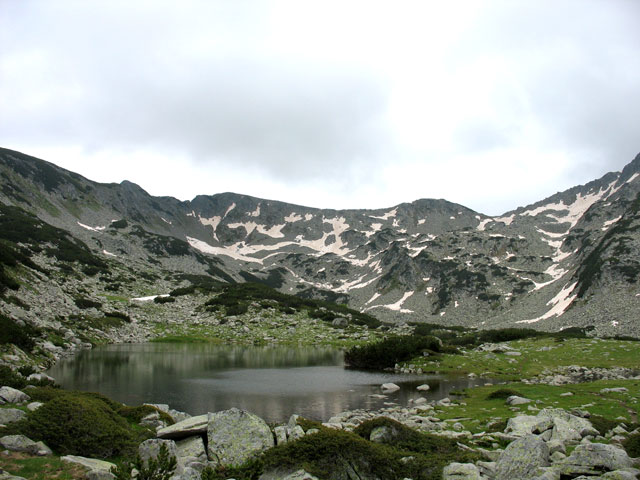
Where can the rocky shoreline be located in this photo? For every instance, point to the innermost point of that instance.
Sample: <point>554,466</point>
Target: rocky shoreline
<point>550,445</point>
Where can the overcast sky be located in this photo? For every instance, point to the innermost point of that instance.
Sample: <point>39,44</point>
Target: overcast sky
<point>345,104</point>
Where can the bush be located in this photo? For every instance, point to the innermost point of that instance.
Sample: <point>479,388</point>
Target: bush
<point>85,303</point>
<point>503,393</point>
<point>162,300</point>
<point>75,424</point>
<point>21,336</point>
<point>388,352</point>
<point>9,378</point>
<point>602,424</point>
<point>632,445</point>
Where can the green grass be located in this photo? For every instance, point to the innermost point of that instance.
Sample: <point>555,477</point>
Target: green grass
<point>480,408</point>
<point>40,468</point>
<point>533,360</point>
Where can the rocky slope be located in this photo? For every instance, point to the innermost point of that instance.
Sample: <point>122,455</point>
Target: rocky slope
<point>568,260</point>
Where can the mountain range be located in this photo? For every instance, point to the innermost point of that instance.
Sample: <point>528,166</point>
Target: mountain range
<point>570,260</point>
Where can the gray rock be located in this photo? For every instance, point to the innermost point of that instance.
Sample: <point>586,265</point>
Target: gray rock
<point>466,471</point>
<point>522,458</point>
<point>11,395</point>
<point>423,387</point>
<point>99,475</point>
<point>340,322</point>
<point>281,474</point>
<point>33,406</point>
<point>93,464</point>
<point>187,473</point>
<point>20,443</point>
<point>281,434</point>
<point>619,475</point>
<point>8,476</point>
<point>10,415</point>
<point>151,448</point>
<point>293,421</point>
<point>39,377</point>
<point>186,428</point>
<point>599,456</point>
<point>389,387</point>
<point>516,400</point>
<point>295,433</point>
<point>191,447</point>
<point>235,436</point>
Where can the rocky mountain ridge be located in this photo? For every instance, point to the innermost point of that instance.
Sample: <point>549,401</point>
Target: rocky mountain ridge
<point>568,260</point>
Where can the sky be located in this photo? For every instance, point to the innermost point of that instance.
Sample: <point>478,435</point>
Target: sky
<point>492,104</point>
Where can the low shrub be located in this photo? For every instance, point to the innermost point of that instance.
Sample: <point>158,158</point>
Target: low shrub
<point>503,393</point>
<point>75,424</point>
<point>85,303</point>
<point>10,378</point>
<point>602,424</point>
<point>20,335</point>
<point>386,353</point>
<point>162,300</point>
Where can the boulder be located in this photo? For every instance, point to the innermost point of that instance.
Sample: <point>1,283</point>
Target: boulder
<point>10,415</point>
<point>151,448</point>
<point>296,432</point>
<point>461,471</point>
<point>522,458</point>
<point>93,464</point>
<point>8,476</point>
<point>281,434</point>
<point>516,400</point>
<point>281,474</point>
<point>599,456</point>
<point>423,387</point>
<point>186,428</point>
<point>40,377</point>
<point>340,322</point>
<point>192,447</point>
<point>20,443</point>
<point>235,436</point>
<point>390,387</point>
<point>11,395</point>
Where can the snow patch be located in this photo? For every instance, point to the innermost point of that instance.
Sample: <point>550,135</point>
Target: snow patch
<point>308,217</point>
<point>165,220</point>
<point>213,221</point>
<point>231,207</point>
<point>227,251</point>
<point>256,212</point>
<point>192,214</point>
<point>375,227</point>
<point>483,224</point>
<point>273,232</point>
<point>149,299</point>
<point>506,220</point>
<point>560,304</point>
<point>375,295</point>
<point>293,218</point>
<point>633,177</point>
<point>93,229</point>
<point>422,221</point>
<point>607,224</point>
<point>109,254</point>
<point>396,306</point>
<point>387,216</point>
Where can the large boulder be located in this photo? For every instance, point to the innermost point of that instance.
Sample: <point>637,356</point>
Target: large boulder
<point>522,459</point>
<point>186,428</point>
<point>10,415</point>
<point>11,395</point>
<point>192,447</point>
<point>461,471</point>
<point>20,443</point>
<point>566,427</point>
<point>599,456</point>
<point>150,449</point>
<point>287,475</point>
<point>235,436</point>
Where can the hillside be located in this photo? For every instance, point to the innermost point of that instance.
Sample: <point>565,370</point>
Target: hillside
<point>568,260</point>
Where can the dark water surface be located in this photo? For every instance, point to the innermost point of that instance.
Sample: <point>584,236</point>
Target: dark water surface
<point>272,382</point>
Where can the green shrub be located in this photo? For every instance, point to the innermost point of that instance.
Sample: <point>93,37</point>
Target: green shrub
<point>161,468</point>
<point>75,424</point>
<point>9,378</point>
<point>85,303</point>
<point>162,300</point>
<point>21,336</point>
<point>386,353</point>
<point>503,393</point>
<point>602,424</point>
<point>136,414</point>
<point>632,445</point>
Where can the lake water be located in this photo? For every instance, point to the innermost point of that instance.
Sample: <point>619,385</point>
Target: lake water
<point>272,382</point>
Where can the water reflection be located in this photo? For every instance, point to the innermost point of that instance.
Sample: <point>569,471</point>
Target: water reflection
<point>272,382</point>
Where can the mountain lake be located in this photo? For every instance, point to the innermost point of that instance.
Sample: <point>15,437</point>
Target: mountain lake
<point>272,382</point>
